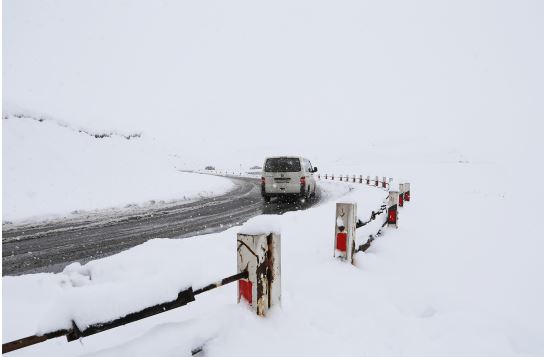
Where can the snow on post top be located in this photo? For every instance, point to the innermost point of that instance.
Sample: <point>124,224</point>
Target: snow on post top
<point>261,225</point>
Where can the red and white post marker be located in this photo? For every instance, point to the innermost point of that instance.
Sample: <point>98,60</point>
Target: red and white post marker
<point>401,195</point>
<point>384,182</point>
<point>407,192</point>
<point>376,181</point>
<point>392,210</point>
<point>260,256</point>
<point>344,231</point>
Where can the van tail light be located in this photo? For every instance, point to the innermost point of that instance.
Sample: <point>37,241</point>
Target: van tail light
<point>303,181</point>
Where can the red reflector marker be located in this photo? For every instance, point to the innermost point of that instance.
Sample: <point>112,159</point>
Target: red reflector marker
<point>401,200</point>
<point>341,241</point>
<point>407,196</point>
<point>245,290</point>
<point>392,216</point>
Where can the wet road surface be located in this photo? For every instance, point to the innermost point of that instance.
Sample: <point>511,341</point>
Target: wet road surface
<point>50,246</point>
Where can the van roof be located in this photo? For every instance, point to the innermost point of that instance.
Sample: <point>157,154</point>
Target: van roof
<point>285,156</point>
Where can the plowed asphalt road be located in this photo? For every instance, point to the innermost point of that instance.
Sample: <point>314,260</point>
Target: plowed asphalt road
<point>50,246</point>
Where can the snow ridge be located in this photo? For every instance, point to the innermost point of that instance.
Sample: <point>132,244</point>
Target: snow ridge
<point>97,135</point>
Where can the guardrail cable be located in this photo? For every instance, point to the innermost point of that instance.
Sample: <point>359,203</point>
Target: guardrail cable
<point>184,297</point>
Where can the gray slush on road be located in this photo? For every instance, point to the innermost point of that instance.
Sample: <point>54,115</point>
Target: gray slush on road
<point>50,246</point>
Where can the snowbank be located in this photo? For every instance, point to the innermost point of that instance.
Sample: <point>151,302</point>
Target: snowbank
<point>51,170</point>
<point>441,278</point>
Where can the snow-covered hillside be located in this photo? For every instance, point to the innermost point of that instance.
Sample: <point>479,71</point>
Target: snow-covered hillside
<point>246,79</point>
<point>51,169</point>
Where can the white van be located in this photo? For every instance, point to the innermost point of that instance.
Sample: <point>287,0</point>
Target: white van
<point>287,175</point>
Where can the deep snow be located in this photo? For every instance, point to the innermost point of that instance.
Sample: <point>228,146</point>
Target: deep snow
<point>53,171</point>
<point>445,283</point>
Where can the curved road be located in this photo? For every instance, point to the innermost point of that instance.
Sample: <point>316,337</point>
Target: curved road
<point>50,246</point>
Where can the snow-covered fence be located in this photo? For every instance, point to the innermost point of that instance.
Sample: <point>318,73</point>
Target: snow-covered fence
<point>347,222</point>
<point>384,183</point>
<point>259,278</point>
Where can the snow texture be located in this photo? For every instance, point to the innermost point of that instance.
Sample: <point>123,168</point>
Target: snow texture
<point>53,171</point>
<point>418,290</point>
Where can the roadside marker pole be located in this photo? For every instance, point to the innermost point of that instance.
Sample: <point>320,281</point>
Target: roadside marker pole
<point>392,211</point>
<point>344,231</point>
<point>407,192</point>
<point>376,181</point>
<point>260,256</point>
<point>401,195</point>
<point>368,180</point>
<point>360,178</point>
<point>384,182</point>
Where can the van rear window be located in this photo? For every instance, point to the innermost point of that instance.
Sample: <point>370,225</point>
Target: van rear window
<point>282,164</point>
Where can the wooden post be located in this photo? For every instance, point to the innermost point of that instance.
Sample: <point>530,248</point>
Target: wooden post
<point>407,192</point>
<point>344,231</point>
<point>392,211</point>
<point>401,195</point>
<point>260,256</point>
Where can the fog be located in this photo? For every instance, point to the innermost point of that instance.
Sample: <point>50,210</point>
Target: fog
<point>461,80</point>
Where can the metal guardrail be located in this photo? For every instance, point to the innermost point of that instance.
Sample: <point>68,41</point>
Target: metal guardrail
<point>184,297</point>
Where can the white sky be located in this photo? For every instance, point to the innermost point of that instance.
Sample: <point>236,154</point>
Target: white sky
<point>285,76</point>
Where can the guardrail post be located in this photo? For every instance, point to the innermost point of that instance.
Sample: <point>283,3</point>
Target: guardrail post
<point>325,176</point>
<point>340,177</point>
<point>319,176</point>
<point>368,180</point>
<point>353,178</point>
<point>407,192</point>
<point>360,178</point>
<point>401,194</point>
<point>344,231</point>
<point>259,255</point>
<point>392,211</point>
<point>384,182</point>
<point>376,181</point>
<point>332,177</point>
